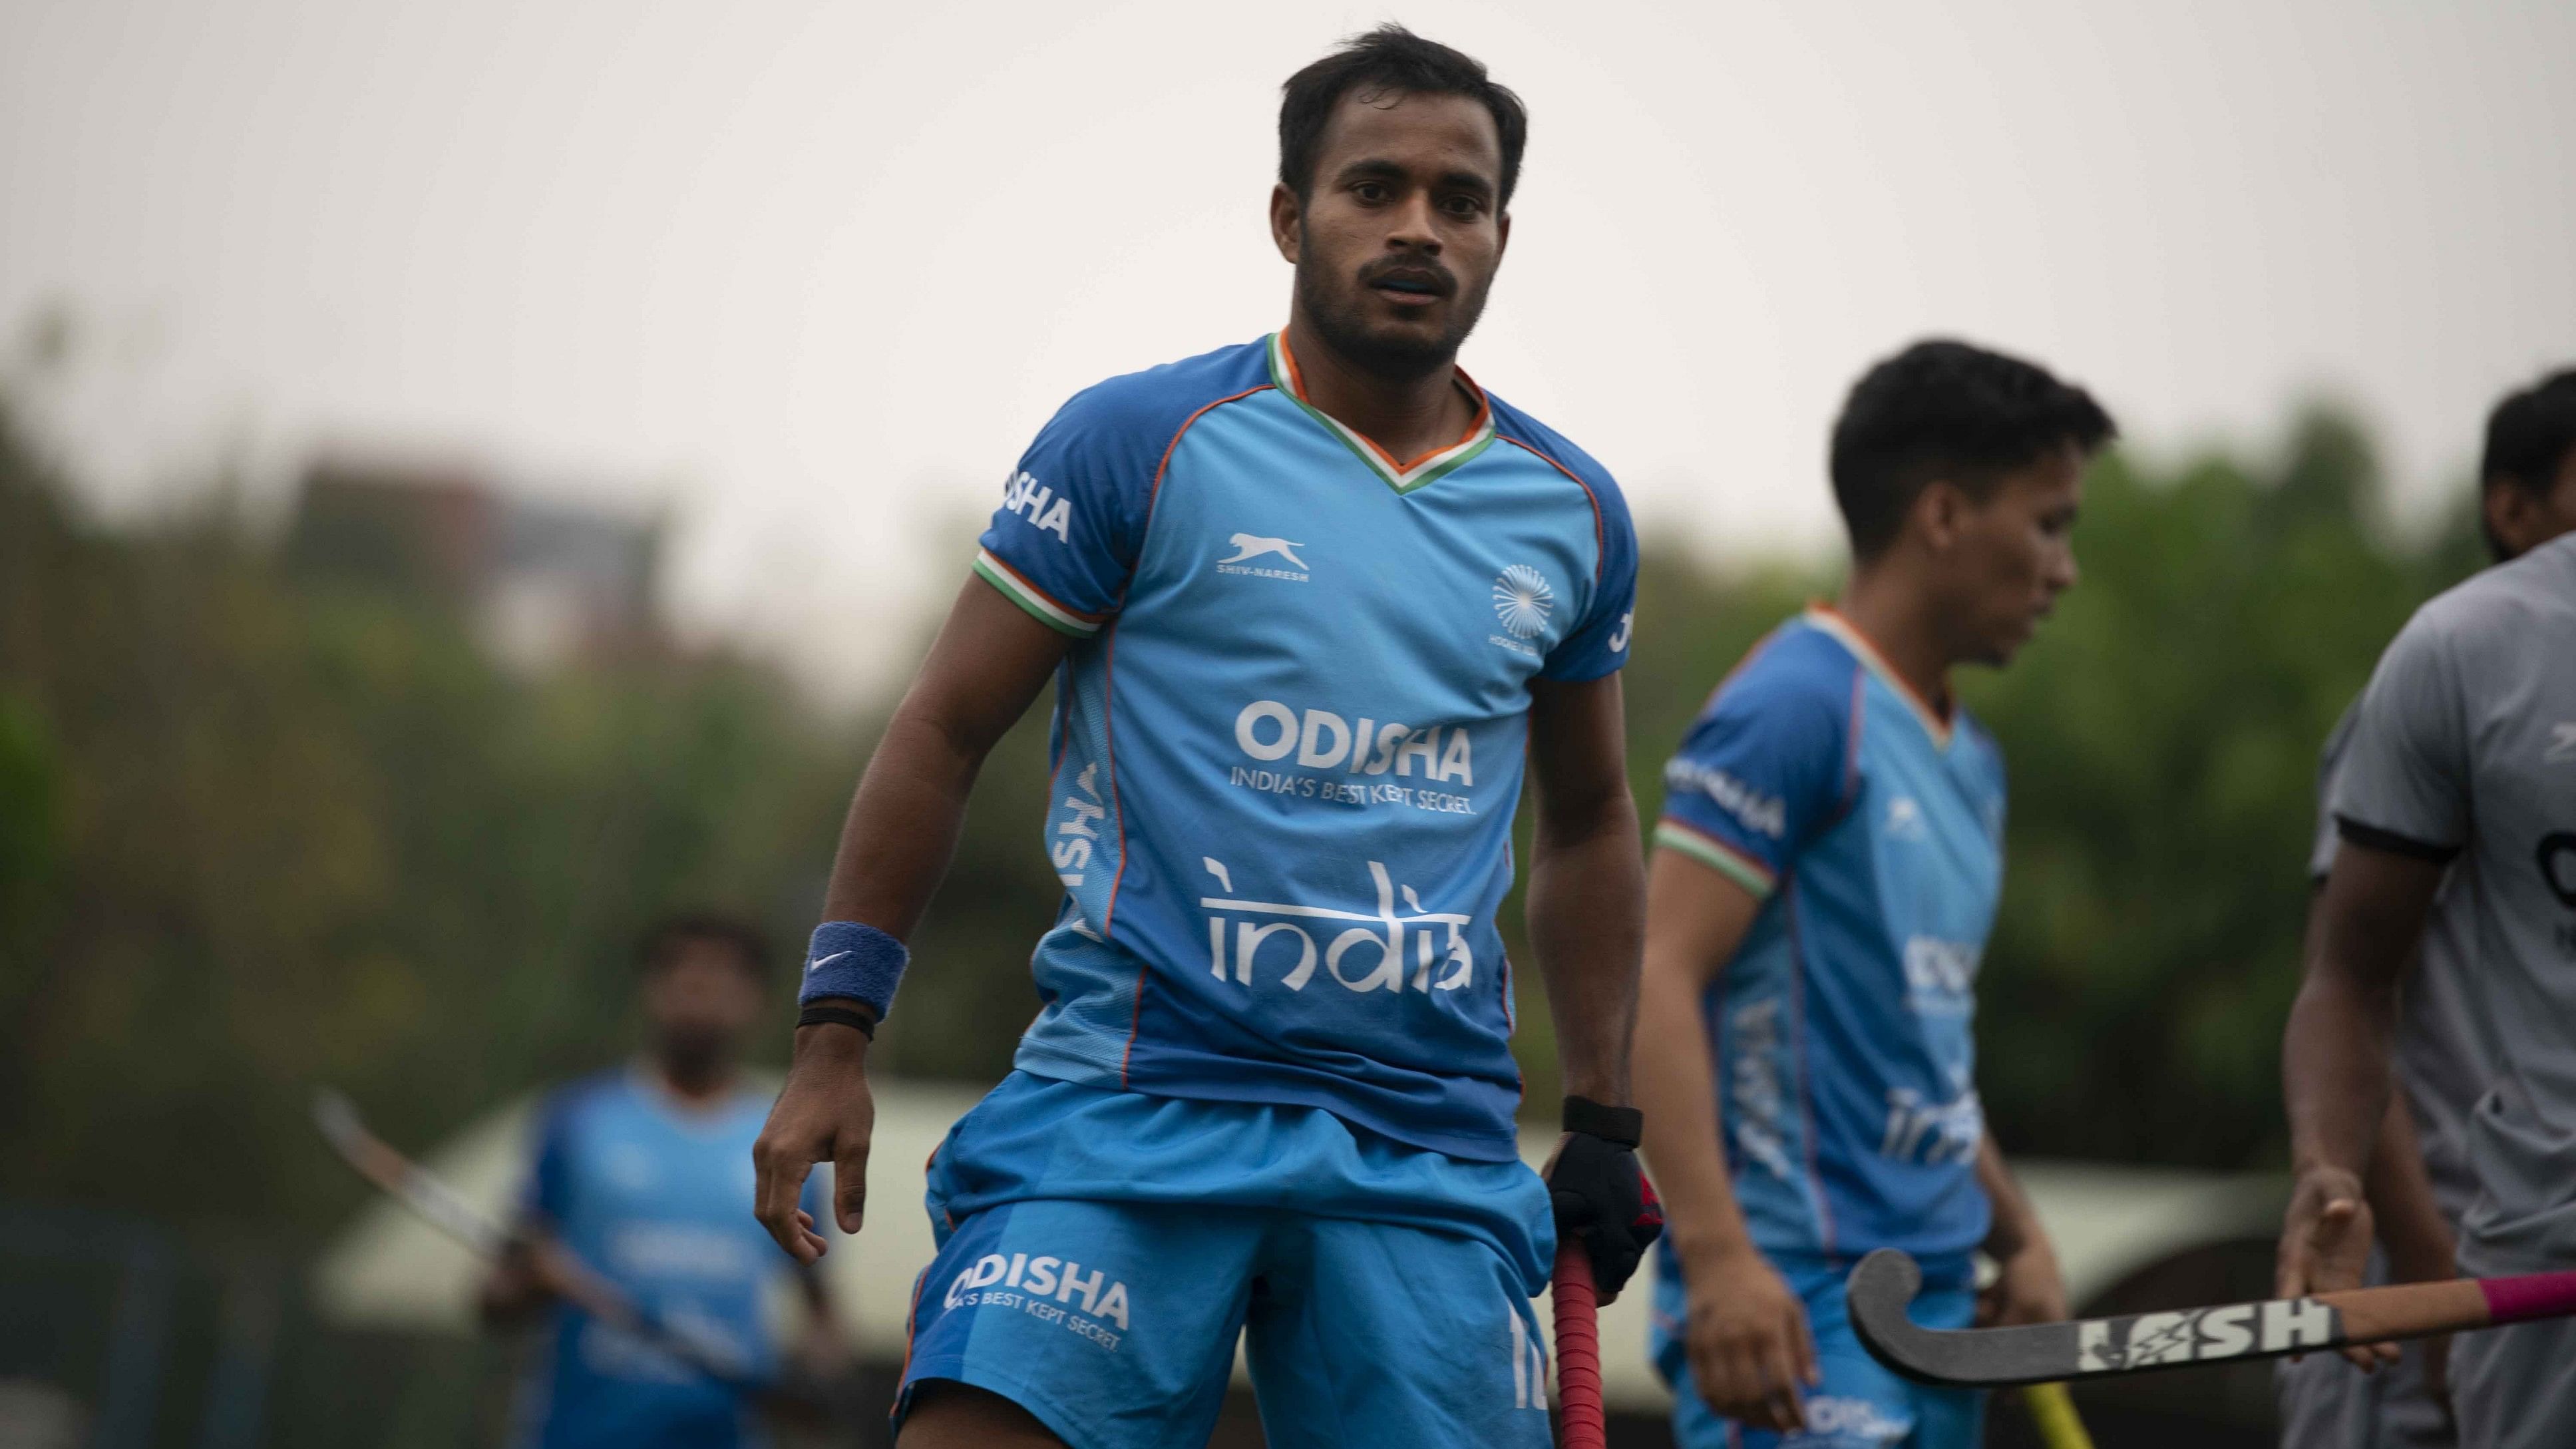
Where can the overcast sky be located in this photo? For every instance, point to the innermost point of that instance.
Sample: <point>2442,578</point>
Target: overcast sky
<point>810,275</point>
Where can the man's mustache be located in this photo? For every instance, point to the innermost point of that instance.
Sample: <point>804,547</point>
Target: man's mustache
<point>1419,271</point>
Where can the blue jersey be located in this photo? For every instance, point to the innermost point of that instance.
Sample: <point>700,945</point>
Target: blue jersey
<point>655,1197</point>
<point>1288,738</point>
<point>1872,831</point>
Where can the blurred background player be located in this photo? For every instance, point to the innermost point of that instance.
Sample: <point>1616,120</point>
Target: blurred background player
<point>639,1178</point>
<point>1824,878</point>
<point>2420,1182</point>
<point>1309,603</point>
<point>2454,801</point>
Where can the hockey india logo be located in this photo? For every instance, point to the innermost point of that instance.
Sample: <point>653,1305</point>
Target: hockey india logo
<point>1522,600</point>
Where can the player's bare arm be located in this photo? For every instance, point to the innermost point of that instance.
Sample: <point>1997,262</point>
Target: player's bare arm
<point>2028,1286</point>
<point>1587,896</point>
<point>989,661</point>
<point>2334,1061</point>
<point>1750,1349</point>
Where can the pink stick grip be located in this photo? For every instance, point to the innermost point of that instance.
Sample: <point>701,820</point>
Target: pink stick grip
<point>2532,1295</point>
<point>1578,1352</point>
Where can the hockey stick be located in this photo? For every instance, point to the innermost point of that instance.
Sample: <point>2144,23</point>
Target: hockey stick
<point>1578,1351</point>
<point>443,1208</point>
<point>1886,1280</point>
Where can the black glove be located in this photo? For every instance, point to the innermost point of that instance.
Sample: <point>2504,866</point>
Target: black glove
<point>1600,1193</point>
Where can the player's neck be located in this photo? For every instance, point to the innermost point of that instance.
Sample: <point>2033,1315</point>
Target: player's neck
<point>693,1082</point>
<point>1902,625</point>
<point>1407,416</point>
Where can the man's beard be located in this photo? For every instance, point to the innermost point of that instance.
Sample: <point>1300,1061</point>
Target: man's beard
<point>1343,327</point>
<point>694,1054</point>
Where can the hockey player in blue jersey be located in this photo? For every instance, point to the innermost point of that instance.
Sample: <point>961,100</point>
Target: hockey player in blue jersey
<point>1824,877</point>
<point>1310,604</point>
<point>637,1181</point>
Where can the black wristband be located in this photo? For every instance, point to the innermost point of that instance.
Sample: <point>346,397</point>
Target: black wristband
<point>1623,1125</point>
<point>837,1016</point>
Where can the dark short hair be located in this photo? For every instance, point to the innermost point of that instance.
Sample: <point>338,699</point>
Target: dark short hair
<point>1389,58</point>
<point>1948,410</point>
<point>2530,433</point>
<point>660,944</point>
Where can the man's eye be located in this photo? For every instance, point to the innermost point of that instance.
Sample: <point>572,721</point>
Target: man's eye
<point>1370,191</point>
<point>1465,206</point>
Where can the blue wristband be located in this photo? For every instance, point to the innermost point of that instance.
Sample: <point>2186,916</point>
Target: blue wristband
<point>859,962</point>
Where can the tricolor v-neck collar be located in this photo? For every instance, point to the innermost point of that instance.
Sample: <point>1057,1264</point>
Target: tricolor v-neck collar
<point>1831,620</point>
<point>1402,477</point>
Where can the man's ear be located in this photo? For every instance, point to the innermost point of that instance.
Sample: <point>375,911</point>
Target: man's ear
<point>1286,215</point>
<point>1940,514</point>
<point>2500,506</point>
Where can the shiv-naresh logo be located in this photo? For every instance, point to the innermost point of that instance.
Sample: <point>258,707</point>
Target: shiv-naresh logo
<point>1250,546</point>
<point>1253,555</point>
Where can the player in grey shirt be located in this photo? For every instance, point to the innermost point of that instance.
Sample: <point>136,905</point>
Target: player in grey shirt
<point>2419,1181</point>
<point>2463,758</point>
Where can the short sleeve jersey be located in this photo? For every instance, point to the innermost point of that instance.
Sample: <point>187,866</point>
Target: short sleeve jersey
<point>2439,1054</point>
<point>1842,1030</point>
<point>657,1199</point>
<point>1288,737</point>
<point>2464,751</point>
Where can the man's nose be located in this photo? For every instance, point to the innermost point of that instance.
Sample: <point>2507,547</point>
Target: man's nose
<point>2062,571</point>
<point>1416,227</point>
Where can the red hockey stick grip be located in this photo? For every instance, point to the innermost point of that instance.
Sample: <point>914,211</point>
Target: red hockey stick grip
<point>2509,1300</point>
<point>1578,1351</point>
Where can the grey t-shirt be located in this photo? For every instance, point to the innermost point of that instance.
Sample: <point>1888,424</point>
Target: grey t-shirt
<point>2440,1060</point>
<point>2464,750</point>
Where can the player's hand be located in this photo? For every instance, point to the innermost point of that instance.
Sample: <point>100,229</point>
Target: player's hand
<point>2028,1288</point>
<point>2325,1246</point>
<point>1603,1201</point>
<point>825,1115</point>
<point>1750,1352</point>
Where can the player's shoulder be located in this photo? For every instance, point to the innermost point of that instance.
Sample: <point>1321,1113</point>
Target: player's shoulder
<point>1148,408</point>
<point>2501,602</point>
<point>1517,427</point>
<point>1796,667</point>
<point>568,1105</point>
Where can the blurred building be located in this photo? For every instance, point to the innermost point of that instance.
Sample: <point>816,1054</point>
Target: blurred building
<point>542,584</point>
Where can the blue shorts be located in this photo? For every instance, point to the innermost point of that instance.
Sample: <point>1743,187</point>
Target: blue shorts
<point>1860,1404</point>
<point>1102,1252</point>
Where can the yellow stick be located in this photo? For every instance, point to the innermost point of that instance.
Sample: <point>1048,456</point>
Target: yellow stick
<point>2054,1412</point>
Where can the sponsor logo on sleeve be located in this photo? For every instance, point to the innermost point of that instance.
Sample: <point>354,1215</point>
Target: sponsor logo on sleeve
<point>1762,814</point>
<point>1038,504</point>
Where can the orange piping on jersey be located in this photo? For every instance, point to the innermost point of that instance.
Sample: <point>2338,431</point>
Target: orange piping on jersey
<point>1600,543</point>
<point>1475,425</point>
<point>1938,721</point>
<point>1109,722</point>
